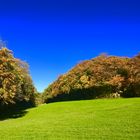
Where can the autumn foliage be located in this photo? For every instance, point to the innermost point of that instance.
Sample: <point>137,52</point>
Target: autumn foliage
<point>15,82</point>
<point>103,76</point>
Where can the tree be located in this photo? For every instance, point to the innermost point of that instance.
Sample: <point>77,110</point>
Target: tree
<point>15,82</point>
<point>99,77</point>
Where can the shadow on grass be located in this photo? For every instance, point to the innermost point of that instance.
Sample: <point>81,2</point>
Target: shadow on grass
<point>12,113</point>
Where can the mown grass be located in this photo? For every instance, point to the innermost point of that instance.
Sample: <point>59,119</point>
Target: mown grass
<point>102,119</point>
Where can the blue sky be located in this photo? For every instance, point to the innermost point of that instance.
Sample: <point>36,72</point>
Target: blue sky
<point>54,35</point>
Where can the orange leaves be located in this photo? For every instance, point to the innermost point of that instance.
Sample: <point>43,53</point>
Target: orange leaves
<point>117,80</point>
<point>15,82</point>
<point>107,74</point>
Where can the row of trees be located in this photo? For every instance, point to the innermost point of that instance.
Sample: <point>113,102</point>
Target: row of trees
<point>16,86</point>
<point>102,76</point>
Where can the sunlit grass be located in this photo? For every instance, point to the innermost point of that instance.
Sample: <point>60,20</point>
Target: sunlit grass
<point>103,119</point>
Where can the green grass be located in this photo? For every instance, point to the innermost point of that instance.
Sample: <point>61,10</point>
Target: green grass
<point>103,119</point>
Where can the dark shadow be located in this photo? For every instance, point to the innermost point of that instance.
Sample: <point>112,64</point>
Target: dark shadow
<point>14,111</point>
<point>82,94</point>
<point>12,114</point>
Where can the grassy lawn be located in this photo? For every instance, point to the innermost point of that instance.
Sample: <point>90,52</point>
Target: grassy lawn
<point>103,119</point>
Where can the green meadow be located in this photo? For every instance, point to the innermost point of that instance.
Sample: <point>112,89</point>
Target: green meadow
<point>101,119</point>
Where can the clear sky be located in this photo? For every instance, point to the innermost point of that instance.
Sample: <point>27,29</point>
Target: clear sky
<point>54,35</point>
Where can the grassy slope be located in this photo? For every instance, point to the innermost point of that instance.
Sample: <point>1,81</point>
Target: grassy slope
<point>114,119</point>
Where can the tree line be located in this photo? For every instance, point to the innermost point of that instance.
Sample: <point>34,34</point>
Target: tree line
<point>101,77</point>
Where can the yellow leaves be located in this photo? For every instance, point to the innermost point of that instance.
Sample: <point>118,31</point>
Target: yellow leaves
<point>6,96</point>
<point>84,79</point>
<point>78,86</point>
<point>65,89</point>
<point>104,74</point>
<point>1,92</point>
<point>4,52</point>
<point>15,81</point>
